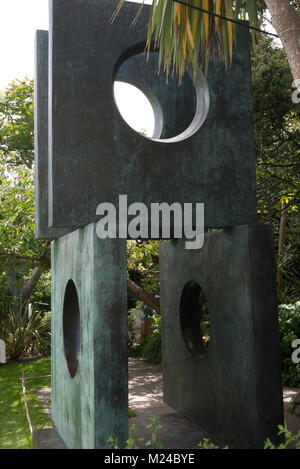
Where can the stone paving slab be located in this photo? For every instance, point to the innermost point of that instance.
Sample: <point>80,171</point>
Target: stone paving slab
<point>177,432</point>
<point>48,438</point>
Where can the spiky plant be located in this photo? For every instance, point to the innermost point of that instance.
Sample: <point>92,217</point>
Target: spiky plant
<point>26,331</point>
<point>187,36</point>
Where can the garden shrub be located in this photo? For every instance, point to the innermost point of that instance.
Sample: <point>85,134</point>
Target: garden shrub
<point>26,332</point>
<point>289,325</point>
<point>151,347</point>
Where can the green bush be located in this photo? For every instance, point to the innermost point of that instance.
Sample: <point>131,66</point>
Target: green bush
<point>289,325</point>
<point>288,288</point>
<point>290,440</point>
<point>26,332</point>
<point>132,442</point>
<point>151,348</point>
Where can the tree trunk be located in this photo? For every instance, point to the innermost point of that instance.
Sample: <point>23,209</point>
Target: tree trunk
<point>286,21</point>
<point>282,230</point>
<point>143,296</point>
<point>29,286</point>
<point>21,291</point>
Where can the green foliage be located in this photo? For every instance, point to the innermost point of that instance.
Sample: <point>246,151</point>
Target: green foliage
<point>137,278</point>
<point>152,443</point>
<point>277,133</point>
<point>16,123</point>
<point>17,213</point>
<point>41,296</point>
<point>26,332</point>
<point>131,413</point>
<point>187,36</point>
<point>289,324</point>
<point>207,444</point>
<point>5,294</point>
<point>143,264</point>
<point>132,442</point>
<point>143,269</point>
<point>14,429</point>
<point>290,439</point>
<point>155,427</point>
<point>17,240</point>
<point>20,252</point>
<point>151,347</point>
<point>277,138</point>
<point>288,265</point>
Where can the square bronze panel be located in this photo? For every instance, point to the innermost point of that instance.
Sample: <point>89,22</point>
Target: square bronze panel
<point>234,389</point>
<point>95,156</point>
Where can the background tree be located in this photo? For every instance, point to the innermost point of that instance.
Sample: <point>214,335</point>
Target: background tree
<point>23,259</point>
<point>16,124</point>
<point>286,20</point>
<point>277,137</point>
<point>143,272</point>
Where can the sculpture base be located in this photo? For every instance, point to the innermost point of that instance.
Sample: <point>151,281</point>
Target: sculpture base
<point>49,438</point>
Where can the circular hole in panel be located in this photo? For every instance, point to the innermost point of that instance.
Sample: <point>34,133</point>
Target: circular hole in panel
<point>195,319</point>
<point>175,111</point>
<point>71,328</point>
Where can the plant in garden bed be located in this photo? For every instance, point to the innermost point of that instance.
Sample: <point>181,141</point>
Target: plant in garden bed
<point>289,439</point>
<point>132,442</point>
<point>131,413</point>
<point>207,444</point>
<point>26,331</point>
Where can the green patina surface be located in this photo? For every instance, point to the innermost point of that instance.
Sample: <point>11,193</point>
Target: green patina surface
<point>94,404</point>
<point>235,390</point>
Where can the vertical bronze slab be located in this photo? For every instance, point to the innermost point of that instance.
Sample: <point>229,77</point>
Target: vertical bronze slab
<point>42,229</point>
<point>89,400</point>
<point>234,391</point>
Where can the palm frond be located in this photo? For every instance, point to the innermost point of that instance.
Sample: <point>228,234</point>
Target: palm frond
<point>186,36</point>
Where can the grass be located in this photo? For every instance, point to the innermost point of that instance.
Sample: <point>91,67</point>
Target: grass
<point>14,429</point>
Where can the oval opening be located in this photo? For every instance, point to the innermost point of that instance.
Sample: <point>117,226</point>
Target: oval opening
<point>195,319</point>
<point>71,328</point>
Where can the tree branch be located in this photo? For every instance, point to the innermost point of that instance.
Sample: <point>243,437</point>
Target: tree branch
<point>143,296</point>
<point>27,289</point>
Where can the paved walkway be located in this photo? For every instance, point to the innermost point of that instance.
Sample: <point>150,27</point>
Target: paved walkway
<point>146,399</point>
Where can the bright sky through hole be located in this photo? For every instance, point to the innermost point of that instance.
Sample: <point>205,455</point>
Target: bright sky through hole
<point>142,119</point>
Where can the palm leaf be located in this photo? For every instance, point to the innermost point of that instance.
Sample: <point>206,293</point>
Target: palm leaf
<point>187,36</point>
